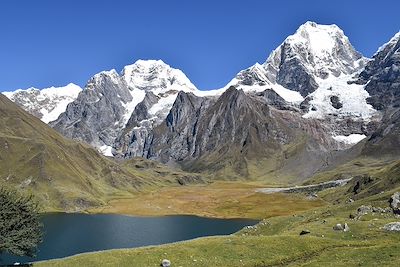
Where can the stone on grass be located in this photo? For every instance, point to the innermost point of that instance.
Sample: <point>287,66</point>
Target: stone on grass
<point>338,227</point>
<point>394,226</point>
<point>165,263</point>
<point>304,232</point>
<point>364,210</point>
<point>395,202</point>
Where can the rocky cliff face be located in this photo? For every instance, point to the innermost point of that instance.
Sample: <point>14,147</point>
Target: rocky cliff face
<point>313,52</point>
<point>99,112</point>
<point>311,71</point>
<point>108,103</point>
<point>382,79</point>
<point>229,131</point>
<point>382,75</point>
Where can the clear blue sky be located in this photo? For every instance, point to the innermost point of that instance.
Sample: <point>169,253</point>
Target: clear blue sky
<point>48,42</point>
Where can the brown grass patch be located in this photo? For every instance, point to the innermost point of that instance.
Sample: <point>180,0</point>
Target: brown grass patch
<point>219,200</point>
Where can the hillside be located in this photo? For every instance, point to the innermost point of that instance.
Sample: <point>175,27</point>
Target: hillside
<point>64,174</point>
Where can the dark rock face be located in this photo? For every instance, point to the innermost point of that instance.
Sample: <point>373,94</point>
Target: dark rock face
<point>293,75</point>
<point>206,133</point>
<point>96,116</point>
<point>271,98</point>
<point>196,127</point>
<point>385,141</point>
<point>383,76</point>
<point>335,101</point>
<point>133,140</point>
<point>199,126</point>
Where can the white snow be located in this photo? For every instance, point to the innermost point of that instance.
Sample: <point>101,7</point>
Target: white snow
<point>106,151</point>
<point>53,100</point>
<point>320,38</point>
<point>213,92</point>
<point>392,41</point>
<point>288,95</point>
<point>113,74</point>
<point>157,76</point>
<point>351,139</point>
<point>352,96</point>
<point>137,97</point>
<point>163,105</point>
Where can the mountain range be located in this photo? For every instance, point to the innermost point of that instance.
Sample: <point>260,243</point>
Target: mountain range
<point>314,99</point>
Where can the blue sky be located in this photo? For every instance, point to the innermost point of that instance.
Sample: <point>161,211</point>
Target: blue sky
<point>47,42</point>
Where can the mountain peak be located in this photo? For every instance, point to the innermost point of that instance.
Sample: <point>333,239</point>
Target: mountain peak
<point>157,76</point>
<point>46,104</point>
<point>320,38</point>
<point>392,42</point>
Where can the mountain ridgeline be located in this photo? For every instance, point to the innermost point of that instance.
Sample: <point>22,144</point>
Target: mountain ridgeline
<point>288,118</point>
<point>64,174</point>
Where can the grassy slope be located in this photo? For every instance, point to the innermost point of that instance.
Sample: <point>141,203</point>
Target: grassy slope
<point>276,241</point>
<point>64,174</point>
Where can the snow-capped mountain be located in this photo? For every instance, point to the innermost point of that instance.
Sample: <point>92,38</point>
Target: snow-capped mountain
<point>314,68</point>
<point>156,76</point>
<point>313,51</point>
<point>314,84</point>
<point>106,104</point>
<point>46,104</point>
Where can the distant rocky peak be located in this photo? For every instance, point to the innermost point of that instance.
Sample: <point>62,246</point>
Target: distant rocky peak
<point>157,76</point>
<point>314,52</point>
<point>46,104</point>
<point>389,45</point>
<point>323,50</point>
<point>103,77</point>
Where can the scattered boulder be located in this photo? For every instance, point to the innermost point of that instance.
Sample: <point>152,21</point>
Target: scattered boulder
<point>363,210</point>
<point>380,210</point>
<point>304,232</point>
<point>394,226</point>
<point>395,202</point>
<point>338,227</point>
<point>165,263</point>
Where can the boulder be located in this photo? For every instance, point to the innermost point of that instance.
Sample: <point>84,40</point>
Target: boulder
<point>338,227</point>
<point>395,202</point>
<point>394,226</point>
<point>165,263</point>
<point>304,232</point>
<point>364,210</point>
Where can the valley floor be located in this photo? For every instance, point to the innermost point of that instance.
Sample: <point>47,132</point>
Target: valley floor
<point>217,200</point>
<point>275,241</point>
